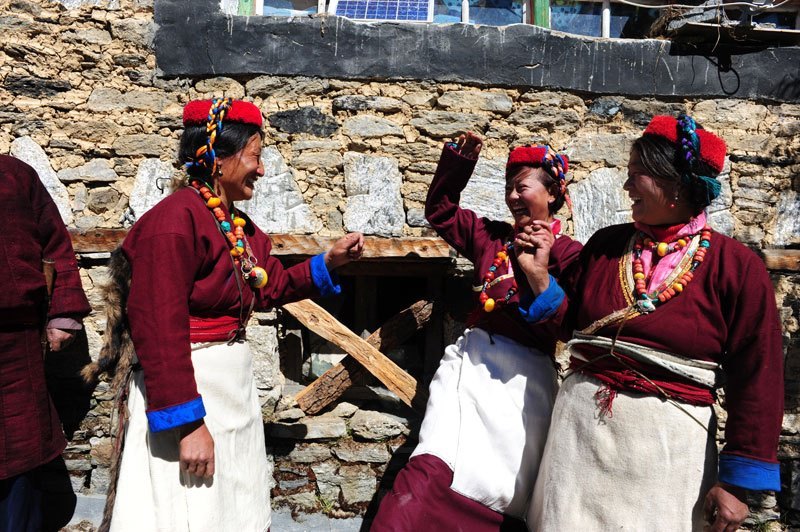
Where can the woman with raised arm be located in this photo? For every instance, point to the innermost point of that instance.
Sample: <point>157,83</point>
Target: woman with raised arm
<point>491,397</point>
<point>666,312</point>
<point>194,451</point>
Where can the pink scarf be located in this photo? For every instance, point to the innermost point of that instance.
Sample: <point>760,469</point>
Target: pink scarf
<point>666,264</point>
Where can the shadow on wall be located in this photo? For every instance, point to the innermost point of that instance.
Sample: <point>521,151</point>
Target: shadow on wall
<point>72,399</point>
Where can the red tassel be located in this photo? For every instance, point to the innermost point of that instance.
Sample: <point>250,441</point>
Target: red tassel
<point>604,397</point>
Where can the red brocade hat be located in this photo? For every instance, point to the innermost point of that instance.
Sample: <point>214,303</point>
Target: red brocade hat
<point>533,156</point>
<point>712,148</point>
<point>196,113</point>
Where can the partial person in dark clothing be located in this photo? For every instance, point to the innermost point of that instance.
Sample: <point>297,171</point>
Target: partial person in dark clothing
<point>491,397</point>
<point>32,232</point>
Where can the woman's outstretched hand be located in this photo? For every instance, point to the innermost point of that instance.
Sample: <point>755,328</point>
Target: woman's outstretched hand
<point>196,450</point>
<point>532,246</point>
<point>347,249</point>
<point>725,508</point>
<point>469,145</point>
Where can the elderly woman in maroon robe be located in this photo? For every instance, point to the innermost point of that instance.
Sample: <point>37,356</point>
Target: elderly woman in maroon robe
<point>666,312</point>
<point>491,397</point>
<point>30,431</point>
<point>194,455</point>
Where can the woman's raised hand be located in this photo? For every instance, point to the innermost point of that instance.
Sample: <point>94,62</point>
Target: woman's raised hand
<point>469,145</point>
<point>532,247</point>
<point>347,249</point>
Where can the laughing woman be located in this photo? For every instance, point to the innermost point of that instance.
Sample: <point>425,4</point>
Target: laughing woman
<point>194,456</point>
<point>668,311</point>
<point>492,395</point>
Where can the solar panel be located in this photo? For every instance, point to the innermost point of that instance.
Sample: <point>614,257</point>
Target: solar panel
<point>398,10</point>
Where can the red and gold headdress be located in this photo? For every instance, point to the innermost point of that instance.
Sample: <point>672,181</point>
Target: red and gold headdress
<point>214,114</point>
<point>694,145</point>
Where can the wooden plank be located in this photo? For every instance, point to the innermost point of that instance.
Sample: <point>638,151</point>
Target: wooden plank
<point>411,248</point>
<point>782,259</point>
<point>334,382</point>
<point>390,374</point>
<point>374,247</point>
<point>378,250</point>
<point>97,240</point>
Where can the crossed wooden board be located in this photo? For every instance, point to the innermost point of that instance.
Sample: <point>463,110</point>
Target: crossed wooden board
<point>363,355</point>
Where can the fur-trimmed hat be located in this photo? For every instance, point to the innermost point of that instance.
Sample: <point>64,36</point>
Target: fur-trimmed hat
<point>711,148</point>
<point>196,113</point>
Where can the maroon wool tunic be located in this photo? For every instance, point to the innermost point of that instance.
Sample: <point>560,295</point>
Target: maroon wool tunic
<point>479,240</point>
<point>726,314</point>
<point>30,431</point>
<point>421,497</point>
<point>180,267</point>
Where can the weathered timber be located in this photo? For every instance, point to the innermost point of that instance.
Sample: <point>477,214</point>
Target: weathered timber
<point>286,245</point>
<point>97,240</point>
<point>334,382</point>
<point>782,259</point>
<point>390,374</point>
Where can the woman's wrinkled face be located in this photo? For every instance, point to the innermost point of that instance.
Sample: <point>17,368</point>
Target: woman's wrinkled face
<point>241,170</point>
<point>526,196</point>
<point>653,201</point>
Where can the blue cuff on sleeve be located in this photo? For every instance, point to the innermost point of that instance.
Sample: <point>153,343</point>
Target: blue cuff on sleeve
<point>534,310</point>
<point>327,282</point>
<point>749,473</point>
<point>175,416</point>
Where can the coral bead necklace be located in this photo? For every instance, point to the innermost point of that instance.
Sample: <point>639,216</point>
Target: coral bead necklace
<point>240,250</point>
<point>675,283</point>
<point>489,304</point>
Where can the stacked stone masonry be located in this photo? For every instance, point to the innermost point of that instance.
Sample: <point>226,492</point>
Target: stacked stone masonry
<point>82,101</point>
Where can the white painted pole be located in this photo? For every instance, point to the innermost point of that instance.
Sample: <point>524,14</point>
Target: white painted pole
<point>525,11</point>
<point>465,11</point>
<point>605,29</point>
<point>320,6</point>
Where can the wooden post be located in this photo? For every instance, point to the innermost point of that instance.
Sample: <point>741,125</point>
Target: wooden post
<point>329,386</point>
<point>541,13</point>
<point>334,382</point>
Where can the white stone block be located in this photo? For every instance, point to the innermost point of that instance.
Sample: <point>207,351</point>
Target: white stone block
<point>277,205</point>
<point>374,205</point>
<point>599,201</point>
<point>26,150</point>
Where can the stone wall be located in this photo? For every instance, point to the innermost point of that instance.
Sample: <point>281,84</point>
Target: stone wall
<point>83,102</point>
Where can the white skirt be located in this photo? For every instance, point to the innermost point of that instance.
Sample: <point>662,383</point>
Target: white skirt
<point>487,418</point>
<point>646,467</point>
<point>153,494</point>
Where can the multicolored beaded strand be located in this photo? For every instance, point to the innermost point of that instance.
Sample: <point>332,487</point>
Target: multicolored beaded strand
<point>649,302</point>
<point>240,249</point>
<point>488,303</point>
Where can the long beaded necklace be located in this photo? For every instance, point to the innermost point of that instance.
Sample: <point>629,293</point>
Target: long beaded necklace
<point>674,284</point>
<point>490,279</point>
<point>243,258</point>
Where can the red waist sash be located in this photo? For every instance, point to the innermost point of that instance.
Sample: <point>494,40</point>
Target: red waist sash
<point>629,375</point>
<point>220,329</point>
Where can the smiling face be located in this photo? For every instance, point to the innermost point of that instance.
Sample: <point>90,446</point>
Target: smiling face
<point>240,171</point>
<point>653,200</point>
<point>526,196</point>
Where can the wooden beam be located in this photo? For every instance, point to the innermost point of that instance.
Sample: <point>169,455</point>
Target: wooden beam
<point>390,374</point>
<point>334,382</point>
<point>782,259</point>
<point>286,245</point>
<point>97,240</point>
